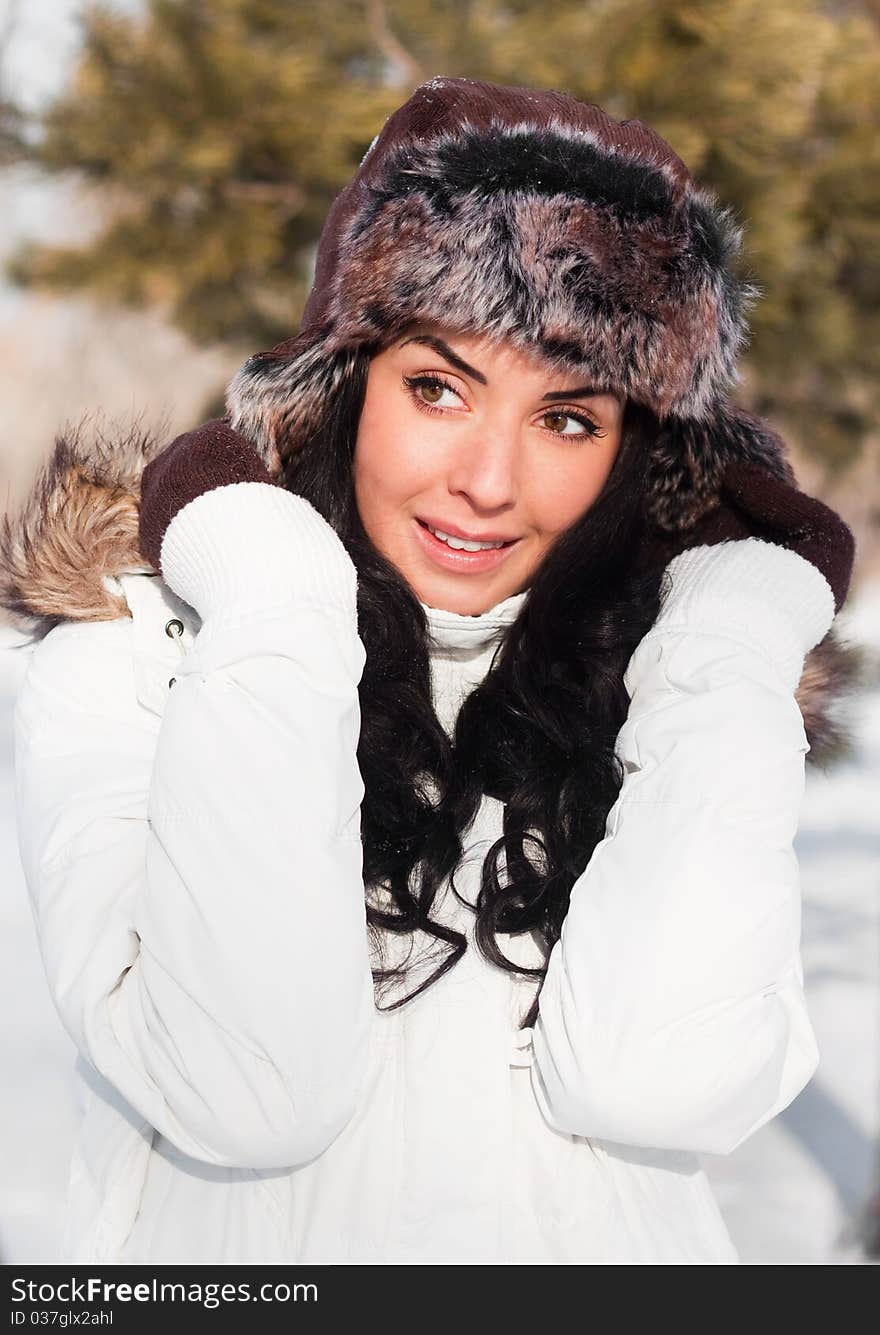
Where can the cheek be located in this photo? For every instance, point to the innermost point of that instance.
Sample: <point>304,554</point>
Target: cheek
<point>563,495</point>
<point>388,465</point>
<point>393,461</point>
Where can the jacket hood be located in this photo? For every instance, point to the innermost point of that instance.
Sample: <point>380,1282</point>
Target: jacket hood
<point>78,530</point>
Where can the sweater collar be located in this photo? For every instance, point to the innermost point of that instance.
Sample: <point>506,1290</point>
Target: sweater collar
<point>458,631</point>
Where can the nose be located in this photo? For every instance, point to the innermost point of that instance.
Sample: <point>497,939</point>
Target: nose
<point>485,470</point>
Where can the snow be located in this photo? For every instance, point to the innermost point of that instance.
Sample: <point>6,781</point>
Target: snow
<point>792,1194</point>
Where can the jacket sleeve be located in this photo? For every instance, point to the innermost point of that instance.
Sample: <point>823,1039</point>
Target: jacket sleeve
<point>672,1014</point>
<point>197,882</point>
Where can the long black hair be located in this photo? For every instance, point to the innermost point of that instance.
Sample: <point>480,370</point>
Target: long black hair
<point>538,733</point>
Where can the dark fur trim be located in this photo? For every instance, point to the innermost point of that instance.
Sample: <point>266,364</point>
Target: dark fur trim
<point>610,278</point>
<point>641,301</point>
<point>689,459</point>
<point>277,399</point>
<point>834,672</point>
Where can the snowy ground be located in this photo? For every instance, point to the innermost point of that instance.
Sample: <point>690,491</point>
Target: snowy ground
<point>791,1194</point>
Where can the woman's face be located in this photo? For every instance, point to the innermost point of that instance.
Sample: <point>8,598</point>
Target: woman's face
<point>481,441</point>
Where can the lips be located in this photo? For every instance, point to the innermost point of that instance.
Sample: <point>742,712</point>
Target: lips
<point>456,559</point>
<point>453,531</point>
<point>456,543</point>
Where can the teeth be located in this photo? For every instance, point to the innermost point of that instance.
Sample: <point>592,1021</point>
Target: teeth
<point>459,543</point>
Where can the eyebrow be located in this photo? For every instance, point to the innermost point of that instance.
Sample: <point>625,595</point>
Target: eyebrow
<point>584,391</point>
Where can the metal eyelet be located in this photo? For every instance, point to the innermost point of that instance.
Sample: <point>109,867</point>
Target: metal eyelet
<point>174,631</point>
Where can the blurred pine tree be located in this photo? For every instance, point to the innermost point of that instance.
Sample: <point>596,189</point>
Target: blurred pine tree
<point>10,117</point>
<point>219,131</point>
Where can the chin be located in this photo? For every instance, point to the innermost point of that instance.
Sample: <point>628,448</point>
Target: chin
<point>462,601</point>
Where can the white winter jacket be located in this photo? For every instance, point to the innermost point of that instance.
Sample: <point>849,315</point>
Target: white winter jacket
<point>189,822</point>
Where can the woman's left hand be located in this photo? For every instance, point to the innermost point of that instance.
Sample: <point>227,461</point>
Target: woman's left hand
<point>213,455</point>
<point>755,504</point>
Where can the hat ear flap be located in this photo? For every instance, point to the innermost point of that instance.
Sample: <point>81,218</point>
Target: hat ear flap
<point>689,457</point>
<point>685,470</point>
<point>278,399</point>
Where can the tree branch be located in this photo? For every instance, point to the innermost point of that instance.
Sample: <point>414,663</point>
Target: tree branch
<point>286,194</point>
<point>392,49</point>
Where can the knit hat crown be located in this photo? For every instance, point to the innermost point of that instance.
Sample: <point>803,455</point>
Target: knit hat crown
<point>530,216</point>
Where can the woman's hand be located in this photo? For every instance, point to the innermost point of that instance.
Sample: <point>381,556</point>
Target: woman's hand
<point>755,504</point>
<point>213,455</point>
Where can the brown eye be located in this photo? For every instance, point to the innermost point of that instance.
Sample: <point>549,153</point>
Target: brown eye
<point>420,386</point>
<point>590,427</point>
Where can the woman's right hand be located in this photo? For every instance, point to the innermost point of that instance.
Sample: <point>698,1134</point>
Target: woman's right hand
<point>213,455</point>
<point>755,504</point>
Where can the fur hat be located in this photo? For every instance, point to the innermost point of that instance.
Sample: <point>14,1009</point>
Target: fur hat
<point>530,216</point>
<point>516,212</point>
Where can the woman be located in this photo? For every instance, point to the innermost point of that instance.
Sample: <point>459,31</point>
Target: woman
<point>411,902</point>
